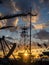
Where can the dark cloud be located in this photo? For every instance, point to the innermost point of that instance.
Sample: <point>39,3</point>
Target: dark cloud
<point>43,34</point>
<point>7,8</point>
<point>45,2</point>
<point>24,5</point>
<point>13,6</point>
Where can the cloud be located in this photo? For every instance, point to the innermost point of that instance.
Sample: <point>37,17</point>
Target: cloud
<point>40,26</point>
<point>45,2</point>
<point>9,4</point>
<point>34,19</point>
<point>12,22</point>
<point>23,5</point>
<point>0,14</point>
<point>0,24</point>
<point>41,1</point>
<point>42,35</point>
<point>3,23</point>
<point>15,22</point>
<point>14,6</point>
<point>35,10</point>
<point>9,8</point>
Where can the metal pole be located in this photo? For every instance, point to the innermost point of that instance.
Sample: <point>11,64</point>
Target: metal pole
<point>30,36</point>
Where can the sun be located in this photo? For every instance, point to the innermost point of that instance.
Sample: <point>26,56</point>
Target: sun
<point>25,54</point>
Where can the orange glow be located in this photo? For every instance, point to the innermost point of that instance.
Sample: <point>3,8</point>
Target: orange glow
<point>39,26</point>
<point>26,53</point>
<point>15,22</point>
<point>0,24</point>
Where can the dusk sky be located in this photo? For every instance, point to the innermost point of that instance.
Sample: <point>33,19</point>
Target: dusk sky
<point>40,22</point>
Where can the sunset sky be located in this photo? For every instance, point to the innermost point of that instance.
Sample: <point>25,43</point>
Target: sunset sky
<point>40,22</point>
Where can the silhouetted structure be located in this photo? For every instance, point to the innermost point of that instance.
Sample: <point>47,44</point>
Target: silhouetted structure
<point>16,15</point>
<point>4,43</point>
<point>46,53</point>
<point>45,45</point>
<point>39,45</point>
<point>6,27</point>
